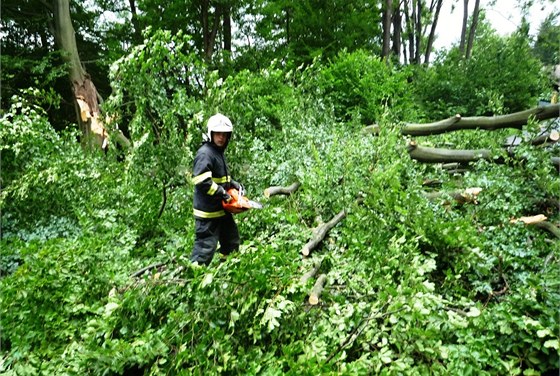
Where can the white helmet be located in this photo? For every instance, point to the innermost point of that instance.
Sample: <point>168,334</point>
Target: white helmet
<point>218,123</point>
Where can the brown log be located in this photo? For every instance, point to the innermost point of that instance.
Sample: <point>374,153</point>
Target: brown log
<point>276,190</point>
<point>311,273</point>
<point>317,289</point>
<point>320,232</point>
<point>455,123</point>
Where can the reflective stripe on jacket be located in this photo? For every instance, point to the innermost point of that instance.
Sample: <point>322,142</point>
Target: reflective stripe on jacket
<point>211,180</point>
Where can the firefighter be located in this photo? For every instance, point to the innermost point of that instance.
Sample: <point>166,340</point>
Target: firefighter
<point>211,181</point>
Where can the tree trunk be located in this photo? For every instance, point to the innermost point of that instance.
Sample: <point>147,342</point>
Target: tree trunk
<point>85,92</point>
<point>472,29</point>
<point>464,26</point>
<point>418,22</point>
<point>135,22</point>
<point>515,120</point>
<point>432,35</point>
<point>397,29</point>
<point>387,16</point>
<point>320,232</point>
<point>227,28</point>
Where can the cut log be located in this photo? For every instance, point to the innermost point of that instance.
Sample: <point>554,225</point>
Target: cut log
<point>437,155</point>
<point>455,123</point>
<point>311,273</point>
<point>276,190</point>
<point>320,232</point>
<point>317,289</point>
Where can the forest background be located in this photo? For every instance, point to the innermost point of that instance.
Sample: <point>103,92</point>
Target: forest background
<point>100,120</point>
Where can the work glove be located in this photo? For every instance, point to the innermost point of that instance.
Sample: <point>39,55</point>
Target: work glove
<point>237,186</point>
<point>223,193</point>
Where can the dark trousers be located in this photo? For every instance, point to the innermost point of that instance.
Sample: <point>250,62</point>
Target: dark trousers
<point>208,232</point>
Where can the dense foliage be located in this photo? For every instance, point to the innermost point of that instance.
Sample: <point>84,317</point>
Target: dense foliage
<point>414,286</point>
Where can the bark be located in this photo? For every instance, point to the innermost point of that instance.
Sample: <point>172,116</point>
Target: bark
<point>135,22</point>
<point>320,232</point>
<point>472,29</point>
<point>432,35</point>
<point>464,26</point>
<point>515,120</point>
<point>311,273</point>
<point>85,93</point>
<point>317,289</point>
<point>397,31</point>
<point>227,28</point>
<point>418,31</point>
<point>210,33</point>
<point>387,16</point>
<point>277,190</point>
<point>438,155</point>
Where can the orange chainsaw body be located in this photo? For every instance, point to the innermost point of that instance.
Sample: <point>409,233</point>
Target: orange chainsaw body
<point>239,203</point>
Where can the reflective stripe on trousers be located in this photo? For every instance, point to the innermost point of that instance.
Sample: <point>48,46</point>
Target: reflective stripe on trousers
<point>210,232</point>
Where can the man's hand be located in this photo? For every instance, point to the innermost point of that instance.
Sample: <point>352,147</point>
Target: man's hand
<point>226,197</point>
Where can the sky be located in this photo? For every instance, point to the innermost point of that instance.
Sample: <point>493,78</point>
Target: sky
<point>504,16</point>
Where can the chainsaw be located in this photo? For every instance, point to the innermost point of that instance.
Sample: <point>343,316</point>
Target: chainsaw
<point>239,203</point>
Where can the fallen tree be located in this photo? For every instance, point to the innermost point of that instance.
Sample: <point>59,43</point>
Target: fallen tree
<point>457,122</point>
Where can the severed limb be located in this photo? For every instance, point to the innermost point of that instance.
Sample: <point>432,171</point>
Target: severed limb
<point>317,289</point>
<point>276,190</point>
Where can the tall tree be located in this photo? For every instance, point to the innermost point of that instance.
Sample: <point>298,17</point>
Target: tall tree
<point>468,30</point>
<point>387,22</point>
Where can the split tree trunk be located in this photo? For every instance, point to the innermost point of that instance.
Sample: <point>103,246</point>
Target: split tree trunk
<point>85,92</point>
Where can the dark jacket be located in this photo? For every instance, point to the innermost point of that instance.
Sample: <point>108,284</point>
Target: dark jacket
<point>211,179</point>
